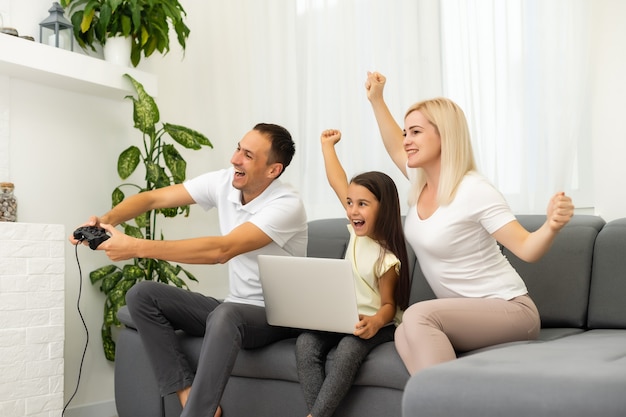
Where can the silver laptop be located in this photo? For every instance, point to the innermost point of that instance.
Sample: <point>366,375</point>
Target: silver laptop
<point>309,293</point>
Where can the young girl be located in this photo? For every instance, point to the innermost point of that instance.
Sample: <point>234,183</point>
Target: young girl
<point>377,251</point>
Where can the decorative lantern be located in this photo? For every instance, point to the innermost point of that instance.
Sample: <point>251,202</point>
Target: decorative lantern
<point>56,30</point>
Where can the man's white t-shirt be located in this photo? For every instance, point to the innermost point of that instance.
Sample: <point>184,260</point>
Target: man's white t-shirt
<point>454,246</point>
<point>279,212</point>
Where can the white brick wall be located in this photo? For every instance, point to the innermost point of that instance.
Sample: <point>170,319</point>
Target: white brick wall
<point>32,317</point>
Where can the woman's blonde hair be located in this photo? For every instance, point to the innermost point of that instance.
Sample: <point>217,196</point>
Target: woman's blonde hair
<point>457,156</point>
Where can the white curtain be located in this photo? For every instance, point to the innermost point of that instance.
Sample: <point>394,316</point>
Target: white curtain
<point>303,64</point>
<point>337,43</point>
<point>519,69</point>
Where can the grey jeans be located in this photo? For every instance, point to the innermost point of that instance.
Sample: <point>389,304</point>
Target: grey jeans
<point>158,310</point>
<point>324,391</point>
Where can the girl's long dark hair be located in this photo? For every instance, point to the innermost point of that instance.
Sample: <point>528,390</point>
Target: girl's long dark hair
<point>388,228</point>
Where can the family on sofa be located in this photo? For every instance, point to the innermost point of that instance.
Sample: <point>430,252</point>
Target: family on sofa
<point>455,225</point>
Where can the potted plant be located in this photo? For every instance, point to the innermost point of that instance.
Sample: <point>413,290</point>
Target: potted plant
<point>163,165</point>
<point>146,23</point>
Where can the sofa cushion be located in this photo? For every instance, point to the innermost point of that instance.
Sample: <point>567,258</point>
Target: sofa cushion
<point>607,301</point>
<point>382,368</point>
<point>575,376</point>
<point>559,282</point>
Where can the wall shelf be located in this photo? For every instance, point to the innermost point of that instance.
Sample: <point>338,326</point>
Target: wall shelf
<point>43,64</point>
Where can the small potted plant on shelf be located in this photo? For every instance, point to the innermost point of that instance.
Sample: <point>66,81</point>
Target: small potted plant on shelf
<point>146,23</point>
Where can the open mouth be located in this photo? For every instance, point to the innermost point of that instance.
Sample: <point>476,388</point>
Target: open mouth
<point>239,174</point>
<point>358,224</point>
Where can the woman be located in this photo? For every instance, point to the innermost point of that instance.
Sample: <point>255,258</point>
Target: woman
<point>455,220</point>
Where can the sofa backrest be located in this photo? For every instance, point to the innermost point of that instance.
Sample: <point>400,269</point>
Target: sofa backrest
<point>328,238</point>
<point>559,282</point>
<point>607,299</point>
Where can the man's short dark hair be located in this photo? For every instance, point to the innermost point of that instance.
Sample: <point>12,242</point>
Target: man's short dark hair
<point>283,148</point>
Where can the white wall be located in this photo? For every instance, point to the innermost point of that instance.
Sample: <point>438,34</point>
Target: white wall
<point>609,108</point>
<point>64,147</point>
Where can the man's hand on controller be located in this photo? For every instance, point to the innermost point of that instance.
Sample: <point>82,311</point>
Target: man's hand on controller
<point>93,235</point>
<point>93,222</point>
<point>120,246</point>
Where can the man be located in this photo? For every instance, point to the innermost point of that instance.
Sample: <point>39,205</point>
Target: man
<point>258,214</point>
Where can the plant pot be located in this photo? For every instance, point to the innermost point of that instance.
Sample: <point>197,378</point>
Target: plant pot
<point>117,50</point>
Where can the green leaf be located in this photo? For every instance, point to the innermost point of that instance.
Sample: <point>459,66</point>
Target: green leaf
<point>190,275</point>
<point>153,171</point>
<point>168,212</point>
<point>177,281</point>
<point>135,53</point>
<point>110,281</point>
<point>175,162</point>
<point>141,220</point>
<point>118,294</point>
<point>136,17</point>
<point>115,4</point>
<point>87,18</point>
<point>126,26</point>
<point>145,110</point>
<point>188,138</point>
<point>117,197</point>
<point>133,231</point>
<point>104,17</point>
<point>169,273</point>
<point>163,180</point>
<point>128,161</point>
<point>182,33</point>
<point>149,265</point>
<point>100,273</point>
<point>109,314</point>
<point>107,343</point>
<point>133,272</point>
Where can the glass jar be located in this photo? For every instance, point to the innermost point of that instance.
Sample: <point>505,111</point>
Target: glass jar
<point>8,203</point>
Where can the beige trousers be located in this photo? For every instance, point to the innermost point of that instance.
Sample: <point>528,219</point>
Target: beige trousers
<point>433,331</point>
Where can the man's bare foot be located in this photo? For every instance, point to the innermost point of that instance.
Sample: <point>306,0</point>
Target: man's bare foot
<point>183,394</point>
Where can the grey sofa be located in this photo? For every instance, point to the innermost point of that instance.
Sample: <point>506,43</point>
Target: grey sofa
<point>576,368</point>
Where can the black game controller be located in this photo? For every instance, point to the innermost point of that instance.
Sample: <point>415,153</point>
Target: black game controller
<point>92,234</point>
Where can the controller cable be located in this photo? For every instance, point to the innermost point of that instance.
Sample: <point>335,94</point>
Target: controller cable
<point>80,290</point>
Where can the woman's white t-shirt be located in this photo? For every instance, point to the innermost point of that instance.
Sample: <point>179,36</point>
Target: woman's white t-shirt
<point>454,246</point>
